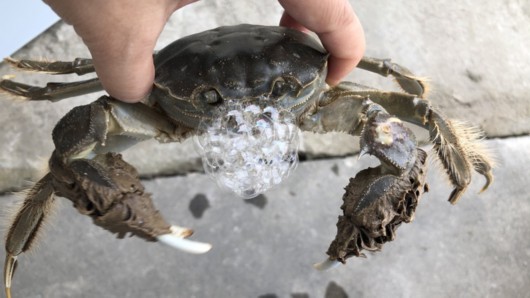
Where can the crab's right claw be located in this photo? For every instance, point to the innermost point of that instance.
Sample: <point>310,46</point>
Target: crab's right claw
<point>176,239</point>
<point>126,207</point>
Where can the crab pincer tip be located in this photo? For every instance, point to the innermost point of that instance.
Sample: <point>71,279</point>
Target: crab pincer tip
<point>326,265</point>
<point>363,151</point>
<point>176,240</point>
<point>185,245</point>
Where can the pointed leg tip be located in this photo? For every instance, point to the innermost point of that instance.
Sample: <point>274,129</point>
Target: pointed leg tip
<point>489,181</point>
<point>453,201</point>
<point>455,196</point>
<point>9,269</point>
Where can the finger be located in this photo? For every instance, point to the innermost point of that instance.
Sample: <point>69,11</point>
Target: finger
<point>121,36</point>
<point>345,52</point>
<point>123,55</point>
<point>182,3</point>
<point>288,21</point>
<point>125,68</point>
<point>337,26</point>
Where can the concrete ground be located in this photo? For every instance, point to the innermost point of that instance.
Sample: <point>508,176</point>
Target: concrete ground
<point>476,55</point>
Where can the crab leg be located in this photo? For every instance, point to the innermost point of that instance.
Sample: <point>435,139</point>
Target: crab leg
<point>52,91</point>
<point>79,66</point>
<point>26,225</point>
<point>457,145</point>
<point>404,77</point>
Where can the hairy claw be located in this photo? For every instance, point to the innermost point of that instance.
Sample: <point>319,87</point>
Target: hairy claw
<point>460,151</point>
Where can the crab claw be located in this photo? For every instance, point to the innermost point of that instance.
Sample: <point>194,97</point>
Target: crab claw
<point>176,240</point>
<point>375,204</point>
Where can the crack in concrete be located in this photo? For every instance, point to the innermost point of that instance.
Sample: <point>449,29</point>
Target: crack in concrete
<point>303,157</point>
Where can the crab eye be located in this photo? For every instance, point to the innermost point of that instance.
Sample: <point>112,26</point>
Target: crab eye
<point>282,87</point>
<point>211,97</point>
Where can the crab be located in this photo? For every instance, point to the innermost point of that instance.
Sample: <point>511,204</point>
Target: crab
<point>199,75</point>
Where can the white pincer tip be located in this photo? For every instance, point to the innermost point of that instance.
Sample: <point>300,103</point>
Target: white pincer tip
<point>326,265</point>
<point>176,240</point>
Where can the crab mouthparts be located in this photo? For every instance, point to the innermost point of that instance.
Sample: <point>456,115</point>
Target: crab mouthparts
<point>249,149</point>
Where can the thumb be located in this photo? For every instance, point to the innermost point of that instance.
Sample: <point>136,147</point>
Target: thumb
<point>121,36</point>
<point>124,67</point>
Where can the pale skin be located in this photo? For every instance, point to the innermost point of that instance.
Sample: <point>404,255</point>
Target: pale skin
<point>121,36</point>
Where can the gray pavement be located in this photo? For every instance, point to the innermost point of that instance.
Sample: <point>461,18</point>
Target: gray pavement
<point>478,248</point>
<point>476,55</point>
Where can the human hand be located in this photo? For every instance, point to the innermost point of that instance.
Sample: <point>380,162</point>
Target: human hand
<point>337,26</point>
<point>123,58</point>
<point>121,36</point>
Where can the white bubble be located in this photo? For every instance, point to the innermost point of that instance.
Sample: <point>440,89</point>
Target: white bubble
<point>249,149</point>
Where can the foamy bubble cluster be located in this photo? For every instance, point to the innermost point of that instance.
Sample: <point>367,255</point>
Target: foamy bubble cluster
<point>249,149</point>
